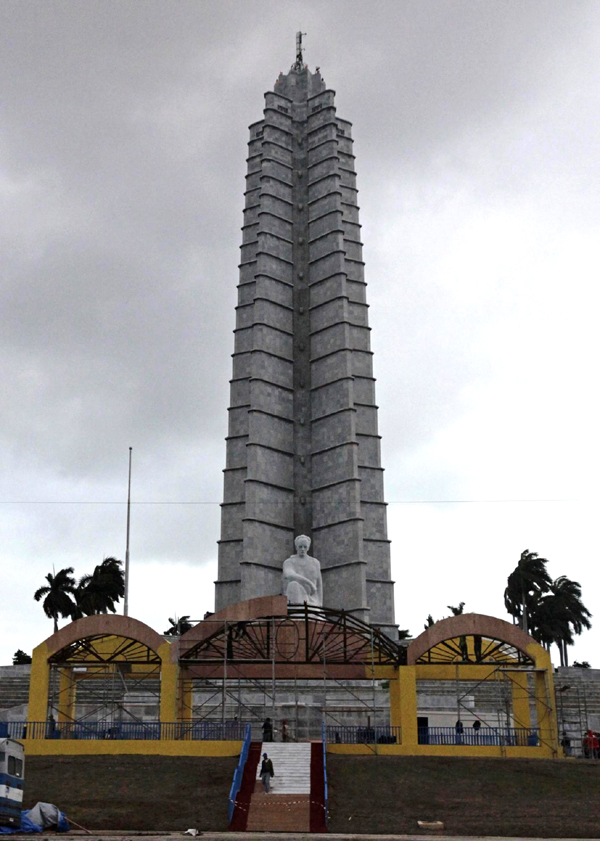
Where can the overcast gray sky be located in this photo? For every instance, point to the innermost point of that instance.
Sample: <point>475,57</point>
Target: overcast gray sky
<point>122,161</point>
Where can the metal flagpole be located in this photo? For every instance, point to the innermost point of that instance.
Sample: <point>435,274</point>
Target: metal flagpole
<point>224,692</point>
<point>126,600</point>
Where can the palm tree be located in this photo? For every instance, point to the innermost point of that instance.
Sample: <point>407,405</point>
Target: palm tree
<point>558,615</point>
<point>571,615</point>
<point>57,595</point>
<point>100,591</point>
<point>543,621</point>
<point>404,635</point>
<point>178,626</point>
<point>525,586</point>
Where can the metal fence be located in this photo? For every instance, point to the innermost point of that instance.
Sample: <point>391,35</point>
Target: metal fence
<point>130,730</point>
<point>485,736</point>
<point>215,731</point>
<point>239,772</point>
<point>361,735</point>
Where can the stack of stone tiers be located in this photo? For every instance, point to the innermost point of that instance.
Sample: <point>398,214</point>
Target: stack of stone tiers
<point>303,450</point>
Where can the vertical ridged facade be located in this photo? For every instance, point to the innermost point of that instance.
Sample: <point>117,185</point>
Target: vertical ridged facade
<point>303,451</point>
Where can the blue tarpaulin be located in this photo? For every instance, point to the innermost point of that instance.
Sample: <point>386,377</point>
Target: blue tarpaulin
<point>42,816</point>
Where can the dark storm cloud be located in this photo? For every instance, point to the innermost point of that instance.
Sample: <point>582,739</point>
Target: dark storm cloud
<point>122,169</point>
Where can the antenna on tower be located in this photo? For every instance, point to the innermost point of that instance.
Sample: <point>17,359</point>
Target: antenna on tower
<point>299,60</point>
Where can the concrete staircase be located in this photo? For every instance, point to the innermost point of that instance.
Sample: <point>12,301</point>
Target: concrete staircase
<point>291,763</point>
<point>287,807</point>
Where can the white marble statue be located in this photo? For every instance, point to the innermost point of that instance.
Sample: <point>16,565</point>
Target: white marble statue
<point>302,575</point>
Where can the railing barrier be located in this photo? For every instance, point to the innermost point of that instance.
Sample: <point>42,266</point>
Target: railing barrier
<point>362,734</point>
<point>239,772</point>
<point>325,791</point>
<point>128,730</point>
<point>484,736</point>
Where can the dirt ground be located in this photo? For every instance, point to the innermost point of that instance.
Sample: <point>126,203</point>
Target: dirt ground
<point>540,798</point>
<point>134,792</point>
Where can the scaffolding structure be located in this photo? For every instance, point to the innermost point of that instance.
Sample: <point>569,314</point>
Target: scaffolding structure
<point>302,668</point>
<point>257,669</point>
<point>101,684</point>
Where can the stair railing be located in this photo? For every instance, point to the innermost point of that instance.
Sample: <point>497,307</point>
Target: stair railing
<point>239,772</point>
<point>325,792</point>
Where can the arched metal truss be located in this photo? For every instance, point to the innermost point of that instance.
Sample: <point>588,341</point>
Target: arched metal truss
<point>475,649</point>
<point>104,686</point>
<point>104,649</point>
<point>308,635</point>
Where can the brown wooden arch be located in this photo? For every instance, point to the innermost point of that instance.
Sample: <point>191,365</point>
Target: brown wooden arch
<point>238,612</point>
<point>103,625</point>
<point>473,625</point>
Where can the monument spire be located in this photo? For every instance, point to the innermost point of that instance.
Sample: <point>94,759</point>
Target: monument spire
<point>303,453</point>
<point>299,65</point>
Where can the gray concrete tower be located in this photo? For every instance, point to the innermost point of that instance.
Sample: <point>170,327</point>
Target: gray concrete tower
<point>303,453</point>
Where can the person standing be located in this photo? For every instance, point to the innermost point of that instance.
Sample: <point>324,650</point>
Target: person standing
<point>267,729</point>
<point>266,772</point>
<point>591,745</point>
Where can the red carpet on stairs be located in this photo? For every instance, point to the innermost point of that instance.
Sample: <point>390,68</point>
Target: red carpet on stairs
<point>317,789</point>
<point>242,801</point>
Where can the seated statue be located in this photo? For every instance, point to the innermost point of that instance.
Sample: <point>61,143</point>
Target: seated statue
<point>302,575</point>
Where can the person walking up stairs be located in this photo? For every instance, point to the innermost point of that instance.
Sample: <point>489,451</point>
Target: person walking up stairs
<point>286,806</point>
<point>266,772</point>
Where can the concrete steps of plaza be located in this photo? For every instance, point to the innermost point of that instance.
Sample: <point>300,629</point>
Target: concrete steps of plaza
<point>291,763</point>
<point>287,807</point>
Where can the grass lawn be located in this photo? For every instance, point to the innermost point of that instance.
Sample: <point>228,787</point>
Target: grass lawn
<point>541,798</point>
<point>134,792</point>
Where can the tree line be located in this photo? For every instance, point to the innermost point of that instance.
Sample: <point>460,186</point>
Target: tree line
<point>68,598</point>
<point>552,611</point>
